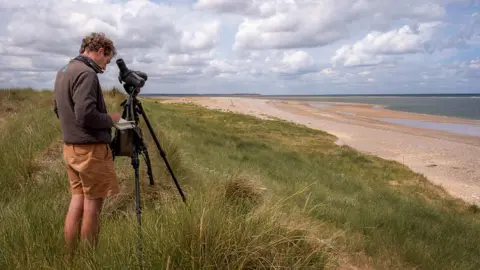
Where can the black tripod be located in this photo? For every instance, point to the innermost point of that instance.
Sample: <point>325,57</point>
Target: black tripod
<point>129,142</point>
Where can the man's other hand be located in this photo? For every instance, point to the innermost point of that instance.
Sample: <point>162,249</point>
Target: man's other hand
<point>115,117</point>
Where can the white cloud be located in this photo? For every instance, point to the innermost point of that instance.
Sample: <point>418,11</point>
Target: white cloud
<point>266,46</point>
<point>144,33</point>
<point>475,63</point>
<point>188,59</point>
<point>365,73</point>
<point>294,62</point>
<point>376,47</point>
<point>132,24</point>
<point>303,24</point>
<point>245,7</point>
<point>224,5</point>
<point>201,40</point>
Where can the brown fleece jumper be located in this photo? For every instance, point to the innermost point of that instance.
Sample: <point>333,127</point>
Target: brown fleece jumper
<point>79,103</point>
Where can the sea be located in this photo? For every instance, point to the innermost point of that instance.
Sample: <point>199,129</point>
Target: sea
<point>466,106</point>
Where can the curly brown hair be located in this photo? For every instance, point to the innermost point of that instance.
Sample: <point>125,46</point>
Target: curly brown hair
<point>95,41</point>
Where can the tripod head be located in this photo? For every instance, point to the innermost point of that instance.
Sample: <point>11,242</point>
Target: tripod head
<point>133,80</point>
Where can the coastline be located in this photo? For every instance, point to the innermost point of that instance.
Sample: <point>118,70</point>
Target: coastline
<point>446,159</point>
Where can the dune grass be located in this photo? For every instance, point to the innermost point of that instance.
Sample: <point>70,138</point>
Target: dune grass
<point>261,194</point>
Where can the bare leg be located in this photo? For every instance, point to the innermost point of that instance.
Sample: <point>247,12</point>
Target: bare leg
<point>91,221</point>
<point>72,222</point>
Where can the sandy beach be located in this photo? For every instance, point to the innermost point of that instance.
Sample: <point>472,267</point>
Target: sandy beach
<point>447,159</point>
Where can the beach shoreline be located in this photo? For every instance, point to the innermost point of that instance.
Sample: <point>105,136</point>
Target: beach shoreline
<point>445,158</point>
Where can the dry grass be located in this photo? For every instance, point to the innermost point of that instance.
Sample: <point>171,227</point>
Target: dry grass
<point>244,188</point>
<point>260,194</point>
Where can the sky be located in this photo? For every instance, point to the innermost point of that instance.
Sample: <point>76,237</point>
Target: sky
<point>253,46</point>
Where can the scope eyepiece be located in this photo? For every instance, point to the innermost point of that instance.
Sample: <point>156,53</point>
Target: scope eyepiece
<point>122,66</point>
<point>134,78</point>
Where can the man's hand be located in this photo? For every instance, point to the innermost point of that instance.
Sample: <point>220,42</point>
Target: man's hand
<point>115,117</point>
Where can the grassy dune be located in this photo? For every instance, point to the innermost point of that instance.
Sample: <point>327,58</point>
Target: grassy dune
<point>261,195</point>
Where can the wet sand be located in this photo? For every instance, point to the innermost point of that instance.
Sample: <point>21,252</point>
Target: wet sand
<point>447,159</point>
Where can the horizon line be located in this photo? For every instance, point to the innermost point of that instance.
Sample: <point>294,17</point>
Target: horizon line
<point>257,94</point>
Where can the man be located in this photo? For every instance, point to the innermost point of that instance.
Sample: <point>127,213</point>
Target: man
<point>86,131</point>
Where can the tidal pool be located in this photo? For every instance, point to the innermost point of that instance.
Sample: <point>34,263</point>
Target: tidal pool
<point>320,106</point>
<point>462,129</point>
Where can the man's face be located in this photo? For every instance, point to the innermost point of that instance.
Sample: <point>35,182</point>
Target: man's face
<point>102,59</point>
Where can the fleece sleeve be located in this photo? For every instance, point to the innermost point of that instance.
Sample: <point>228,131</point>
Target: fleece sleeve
<point>85,103</point>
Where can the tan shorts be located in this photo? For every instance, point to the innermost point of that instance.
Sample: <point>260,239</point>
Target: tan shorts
<point>90,170</point>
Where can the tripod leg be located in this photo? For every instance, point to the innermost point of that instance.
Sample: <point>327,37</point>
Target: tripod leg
<point>135,164</point>
<point>162,153</point>
<point>149,165</point>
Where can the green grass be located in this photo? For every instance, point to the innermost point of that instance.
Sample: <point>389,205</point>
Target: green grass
<point>261,194</point>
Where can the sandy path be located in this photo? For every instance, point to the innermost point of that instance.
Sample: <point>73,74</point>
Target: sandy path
<point>447,160</point>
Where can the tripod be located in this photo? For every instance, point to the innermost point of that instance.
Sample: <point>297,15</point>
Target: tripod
<point>130,143</point>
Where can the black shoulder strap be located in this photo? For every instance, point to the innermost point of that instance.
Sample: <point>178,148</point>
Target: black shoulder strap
<point>89,62</point>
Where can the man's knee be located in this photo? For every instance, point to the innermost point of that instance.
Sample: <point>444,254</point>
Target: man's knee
<point>76,203</point>
<point>93,206</point>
